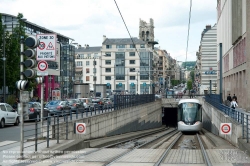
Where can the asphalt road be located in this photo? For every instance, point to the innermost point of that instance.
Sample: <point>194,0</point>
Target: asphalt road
<point>12,133</point>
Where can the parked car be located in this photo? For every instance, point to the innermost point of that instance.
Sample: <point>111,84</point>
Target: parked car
<point>58,107</point>
<point>8,115</point>
<point>75,104</point>
<point>34,111</point>
<point>98,101</point>
<point>87,103</point>
<point>108,103</point>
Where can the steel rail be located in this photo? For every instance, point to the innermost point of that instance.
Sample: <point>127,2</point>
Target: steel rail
<point>205,155</point>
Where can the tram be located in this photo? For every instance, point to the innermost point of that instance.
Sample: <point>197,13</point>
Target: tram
<point>189,115</point>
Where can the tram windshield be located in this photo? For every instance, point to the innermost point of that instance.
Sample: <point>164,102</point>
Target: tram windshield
<point>189,112</point>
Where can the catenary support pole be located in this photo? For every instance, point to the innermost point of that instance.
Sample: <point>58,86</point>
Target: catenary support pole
<point>221,101</point>
<point>210,86</point>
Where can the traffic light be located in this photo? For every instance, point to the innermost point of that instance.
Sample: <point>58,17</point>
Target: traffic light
<point>22,84</point>
<point>39,80</point>
<point>31,42</point>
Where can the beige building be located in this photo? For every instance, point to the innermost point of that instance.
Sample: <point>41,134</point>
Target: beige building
<point>233,29</point>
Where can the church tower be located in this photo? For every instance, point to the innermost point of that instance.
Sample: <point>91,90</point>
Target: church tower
<point>146,32</point>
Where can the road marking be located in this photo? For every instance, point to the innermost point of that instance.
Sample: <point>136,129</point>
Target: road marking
<point>3,143</point>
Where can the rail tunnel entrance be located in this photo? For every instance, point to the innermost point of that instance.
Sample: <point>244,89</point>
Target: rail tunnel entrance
<point>169,116</point>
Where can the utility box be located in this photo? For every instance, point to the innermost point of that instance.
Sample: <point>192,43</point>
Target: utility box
<point>81,90</point>
<point>100,90</point>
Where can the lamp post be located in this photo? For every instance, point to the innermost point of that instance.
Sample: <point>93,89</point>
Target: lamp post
<point>4,61</point>
<point>94,77</point>
<point>137,86</point>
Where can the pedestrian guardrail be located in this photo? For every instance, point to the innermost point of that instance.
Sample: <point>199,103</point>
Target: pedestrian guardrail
<point>237,115</point>
<point>37,132</point>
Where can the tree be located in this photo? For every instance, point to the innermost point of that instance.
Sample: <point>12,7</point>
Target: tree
<point>189,85</point>
<point>12,53</point>
<point>192,75</point>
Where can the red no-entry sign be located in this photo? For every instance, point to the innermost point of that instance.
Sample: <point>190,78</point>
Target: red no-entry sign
<point>226,128</point>
<point>80,128</point>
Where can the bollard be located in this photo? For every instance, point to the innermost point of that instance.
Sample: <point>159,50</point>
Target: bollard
<point>247,128</point>
<point>36,136</point>
<point>48,123</point>
<point>58,129</point>
<point>67,127</point>
<point>87,111</point>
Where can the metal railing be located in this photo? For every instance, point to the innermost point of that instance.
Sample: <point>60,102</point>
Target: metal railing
<point>34,131</point>
<point>238,115</point>
<point>125,101</point>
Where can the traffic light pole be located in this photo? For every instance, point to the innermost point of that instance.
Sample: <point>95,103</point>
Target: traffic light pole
<point>21,104</point>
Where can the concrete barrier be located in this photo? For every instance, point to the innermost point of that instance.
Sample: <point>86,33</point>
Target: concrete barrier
<point>212,118</point>
<point>122,121</point>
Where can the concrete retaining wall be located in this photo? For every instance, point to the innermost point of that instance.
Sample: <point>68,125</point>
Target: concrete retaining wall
<point>212,118</point>
<point>131,119</point>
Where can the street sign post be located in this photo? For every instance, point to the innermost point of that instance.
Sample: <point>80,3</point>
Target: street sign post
<point>47,47</point>
<point>24,96</point>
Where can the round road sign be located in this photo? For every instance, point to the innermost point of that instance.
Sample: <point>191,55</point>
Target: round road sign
<point>42,65</point>
<point>41,45</point>
<point>225,128</point>
<point>80,128</point>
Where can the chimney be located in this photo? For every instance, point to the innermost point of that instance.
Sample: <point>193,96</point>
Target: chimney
<point>87,46</point>
<point>104,38</point>
<point>208,26</point>
<point>79,46</point>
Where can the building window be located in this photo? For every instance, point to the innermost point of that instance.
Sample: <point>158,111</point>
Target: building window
<point>87,78</point>
<point>120,77</point>
<point>132,54</point>
<point>94,70</point>
<point>95,55</point>
<point>87,63</point>
<point>132,46</point>
<point>94,78</point>
<point>132,77</point>
<point>131,61</point>
<point>108,54</point>
<point>108,46</point>
<point>120,46</point>
<point>120,55</point>
<point>89,55</point>
<point>142,45</point>
<point>87,70</point>
<point>108,62</point>
<point>132,69</point>
<point>107,77</point>
<point>108,70</point>
<point>78,63</point>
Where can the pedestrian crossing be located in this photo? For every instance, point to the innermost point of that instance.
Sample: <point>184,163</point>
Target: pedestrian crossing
<point>3,143</point>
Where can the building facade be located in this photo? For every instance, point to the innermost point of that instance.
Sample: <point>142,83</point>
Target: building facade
<point>52,81</point>
<point>208,58</point>
<point>233,33</point>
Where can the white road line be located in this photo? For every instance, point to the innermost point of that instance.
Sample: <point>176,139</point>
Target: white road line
<point>3,143</point>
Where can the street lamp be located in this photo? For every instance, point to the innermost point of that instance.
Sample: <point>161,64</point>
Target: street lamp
<point>4,57</point>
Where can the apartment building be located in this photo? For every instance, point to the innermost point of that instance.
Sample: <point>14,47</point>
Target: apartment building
<point>233,33</point>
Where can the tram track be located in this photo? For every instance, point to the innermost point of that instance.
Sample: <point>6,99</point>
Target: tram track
<point>111,146</point>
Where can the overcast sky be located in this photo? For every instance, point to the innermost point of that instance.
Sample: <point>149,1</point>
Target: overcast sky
<point>87,21</point>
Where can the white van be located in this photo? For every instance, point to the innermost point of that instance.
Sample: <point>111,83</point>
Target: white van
<point>8,115</point>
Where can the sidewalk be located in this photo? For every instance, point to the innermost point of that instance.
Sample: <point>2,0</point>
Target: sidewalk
<point>10,156</point>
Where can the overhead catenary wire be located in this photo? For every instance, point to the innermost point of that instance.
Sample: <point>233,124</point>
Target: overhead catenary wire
<point>190,9</point>
<point>128,32</point>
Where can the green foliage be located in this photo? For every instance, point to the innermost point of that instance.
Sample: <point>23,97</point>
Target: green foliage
<point>12,53</point>
<point>175,82</point>
<point>189,65</point>
<point>189,84</point>
<point>192,75</point>
<point>11,99</point>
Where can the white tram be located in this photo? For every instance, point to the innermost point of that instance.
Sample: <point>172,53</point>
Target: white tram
<point>189,115</point>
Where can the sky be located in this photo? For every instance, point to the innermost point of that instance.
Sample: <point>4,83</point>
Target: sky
<point>86,21</point>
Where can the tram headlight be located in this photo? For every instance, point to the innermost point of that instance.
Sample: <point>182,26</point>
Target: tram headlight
<point>197,122</point>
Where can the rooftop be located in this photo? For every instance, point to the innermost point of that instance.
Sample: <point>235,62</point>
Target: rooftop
<point>123,41</point>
